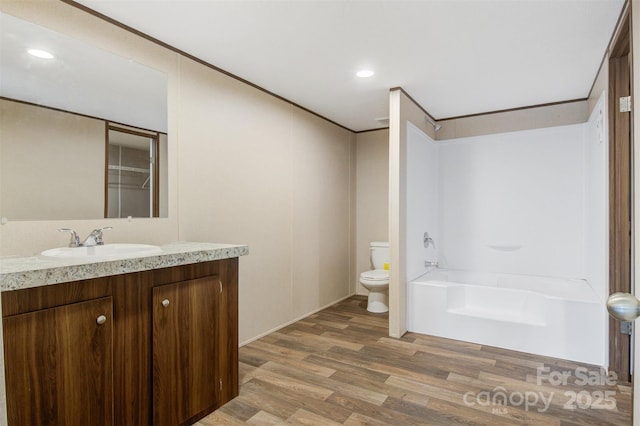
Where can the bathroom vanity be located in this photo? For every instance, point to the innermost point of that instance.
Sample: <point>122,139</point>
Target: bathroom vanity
<point>133,341</point>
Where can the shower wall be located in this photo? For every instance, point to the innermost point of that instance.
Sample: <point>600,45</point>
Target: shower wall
<point>596,192</point>
<point>422,200</point>
<point>513,202</point>
<point>533,203</point>
<point>530,202</point>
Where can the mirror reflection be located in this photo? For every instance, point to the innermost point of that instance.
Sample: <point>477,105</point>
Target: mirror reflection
<point>132,173</point>
<point>55,112</point>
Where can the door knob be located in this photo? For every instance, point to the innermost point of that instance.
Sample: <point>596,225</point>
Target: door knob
<point>101,319</point>
<point>165,302</point>
<point>623,306</point>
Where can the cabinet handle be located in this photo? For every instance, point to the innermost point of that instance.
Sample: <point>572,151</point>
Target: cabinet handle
<point>101,319</point>
<point>165,302</point>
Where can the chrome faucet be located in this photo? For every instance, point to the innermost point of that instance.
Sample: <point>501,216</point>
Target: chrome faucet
<point>75,239</point>
<point>430,264</point>
<point>95,237</point>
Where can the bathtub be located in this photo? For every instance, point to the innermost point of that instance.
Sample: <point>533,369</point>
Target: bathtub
<point>561,318</point>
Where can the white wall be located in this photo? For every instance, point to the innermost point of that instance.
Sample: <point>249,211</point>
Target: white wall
<point>513,202</point>
<point>402,110</point>
<point>422,200</point>
<point>596,197</point>
<point>596,209</point>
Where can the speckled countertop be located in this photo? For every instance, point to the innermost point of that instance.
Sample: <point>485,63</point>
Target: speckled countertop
<point>35,271</point>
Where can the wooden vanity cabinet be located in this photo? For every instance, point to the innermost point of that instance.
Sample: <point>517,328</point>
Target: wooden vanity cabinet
<point>228,363</point>
<point>60,365</point>
<point>195,345</point>
<point>146,364</point>
<point>184,349</point>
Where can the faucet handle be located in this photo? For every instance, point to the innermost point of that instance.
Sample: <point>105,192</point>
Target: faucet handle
<point>75,239</point>
<point>428,240</point>
<point>97,234</point>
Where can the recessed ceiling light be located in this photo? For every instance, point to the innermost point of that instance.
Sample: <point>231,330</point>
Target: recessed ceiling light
<point>364,73</point>
<point>40,53</point>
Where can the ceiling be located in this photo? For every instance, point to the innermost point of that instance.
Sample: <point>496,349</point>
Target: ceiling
<point>454,57</point>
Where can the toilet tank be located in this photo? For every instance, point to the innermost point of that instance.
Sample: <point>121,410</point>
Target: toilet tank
<point>379,254</point>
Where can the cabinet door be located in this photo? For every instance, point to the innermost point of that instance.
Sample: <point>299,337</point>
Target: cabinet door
<point>59,365</point>
<point>184,349</point>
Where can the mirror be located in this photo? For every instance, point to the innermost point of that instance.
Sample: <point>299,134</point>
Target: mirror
<point>54,119</point>
<point>132,173</point>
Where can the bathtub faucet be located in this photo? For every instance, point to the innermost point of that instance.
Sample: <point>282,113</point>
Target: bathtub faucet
<point>430,264</point>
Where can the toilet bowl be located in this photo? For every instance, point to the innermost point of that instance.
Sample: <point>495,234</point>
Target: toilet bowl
<point>377,280</point>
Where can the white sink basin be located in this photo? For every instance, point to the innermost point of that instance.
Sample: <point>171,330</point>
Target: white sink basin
<point>107,251</point>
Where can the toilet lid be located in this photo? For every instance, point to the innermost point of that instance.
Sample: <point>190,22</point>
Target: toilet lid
<point>377,274</point>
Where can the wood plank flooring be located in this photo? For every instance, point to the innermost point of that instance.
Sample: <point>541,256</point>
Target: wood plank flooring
<point>339,367</point>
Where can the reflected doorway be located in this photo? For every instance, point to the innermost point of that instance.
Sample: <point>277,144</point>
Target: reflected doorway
<point>132,173</point>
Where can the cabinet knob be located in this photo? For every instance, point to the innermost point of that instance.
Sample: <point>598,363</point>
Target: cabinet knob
<point>165,302</point>
<point>101,319</point>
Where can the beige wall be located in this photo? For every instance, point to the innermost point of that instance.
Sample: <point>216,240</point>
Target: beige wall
<point>51,164</point>
<point>601,84</point>
<point>244,167</point>
<point>372,197</point>
<point>511,121</point>
<point>258,171</point>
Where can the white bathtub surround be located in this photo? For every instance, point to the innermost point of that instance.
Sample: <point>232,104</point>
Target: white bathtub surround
<point>422,214</point>
<point>596,199</point>
<point>514,202</point>
<point>561,318</point>
<point>529,204</point>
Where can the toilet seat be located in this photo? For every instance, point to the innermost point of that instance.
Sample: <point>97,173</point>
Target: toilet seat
<point>376,274</point>
<point>375,277</point>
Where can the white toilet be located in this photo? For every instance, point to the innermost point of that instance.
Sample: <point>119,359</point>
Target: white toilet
<point>377,281</point>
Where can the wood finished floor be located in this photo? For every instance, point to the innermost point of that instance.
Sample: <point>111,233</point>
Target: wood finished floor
<point>339,367</point>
